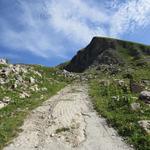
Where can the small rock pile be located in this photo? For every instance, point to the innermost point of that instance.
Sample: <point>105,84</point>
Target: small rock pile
<point>16,77</point>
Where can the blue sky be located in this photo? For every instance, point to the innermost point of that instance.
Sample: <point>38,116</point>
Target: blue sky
<point>50,32</point>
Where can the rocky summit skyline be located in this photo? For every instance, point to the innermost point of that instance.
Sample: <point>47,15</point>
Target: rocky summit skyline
<point>50,32</point>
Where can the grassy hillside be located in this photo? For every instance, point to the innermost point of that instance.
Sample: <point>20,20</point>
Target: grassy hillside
<point>22,88</point>
<point>113,98</point>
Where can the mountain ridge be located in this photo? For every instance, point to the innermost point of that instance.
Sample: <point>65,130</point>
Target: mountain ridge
<point>102,50</point>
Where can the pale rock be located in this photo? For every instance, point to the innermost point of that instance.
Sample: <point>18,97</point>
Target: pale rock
<point>37,73</point>
<point>24,95</point>
<point>145,96</point>
<point>52,135</point>
<point>17,68</point>
<point>34,88</point>
<point>24,70</point>
<point>121,82</point>
<point>6,99</point>
<point>44,89</point>
<point>135,106</point>
<point>2,104</point>
<point>145,124</point>
<point>2,81</point>
<point>14,86</point>
<point>32,80</point>
<point>3,61</point>
<point>11,66</point>
<point>19,78</point>
<point>5,72</point>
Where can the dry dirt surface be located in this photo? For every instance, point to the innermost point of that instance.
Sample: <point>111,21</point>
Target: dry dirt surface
<point>67,121</point>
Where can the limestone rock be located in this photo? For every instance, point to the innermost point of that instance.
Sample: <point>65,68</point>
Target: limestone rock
<point>6,99</point>
<point>2,104</point>
<point>34,88</point>
<point>37,73</point>
<point>32,80</point>
<point>24,95</point>
<point>135,106</point>
<point>2,81</point>
<point>145,96</point>
<point>3,61</point>
<point>145,124</point>
<point>44,89</point>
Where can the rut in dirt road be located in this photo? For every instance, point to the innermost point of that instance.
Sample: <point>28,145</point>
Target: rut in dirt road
<point>64,122</point>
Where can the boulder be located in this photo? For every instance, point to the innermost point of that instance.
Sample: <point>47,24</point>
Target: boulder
<point>145,96</point>
<point>19,78</point>
<point>24,70</point>
<point>2,104</point>
<point>6,99</point>
<point>34,88</point>
<point>17,68</point>
<point>44,89</point>
<point>24,95</point>
<point>14,86</point>
<point>121,82</point>
<point>37,73</point>
<point>146,82</point>
<point>32,80</point>
<point>3,61</point>
<point>5,72</point>
<point>2,81</point>
<point>135,106</point>
<point>145,124</point>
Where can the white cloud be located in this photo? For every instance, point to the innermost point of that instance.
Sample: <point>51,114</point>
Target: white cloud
<point>73,19</point>
<point>130,16</point>
<point>46,24</point>
<point>34,36</point>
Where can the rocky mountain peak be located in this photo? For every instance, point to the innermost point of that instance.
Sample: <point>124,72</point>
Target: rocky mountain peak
<point>102,50</point>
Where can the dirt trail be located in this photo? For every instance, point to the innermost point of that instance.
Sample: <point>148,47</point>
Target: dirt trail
<point>64,122</point>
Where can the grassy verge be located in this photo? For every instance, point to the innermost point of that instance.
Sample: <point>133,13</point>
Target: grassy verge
<point>114,103</point>
<point>13,115</point>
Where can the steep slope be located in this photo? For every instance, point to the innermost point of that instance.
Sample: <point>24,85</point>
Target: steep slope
<point>109,51</point>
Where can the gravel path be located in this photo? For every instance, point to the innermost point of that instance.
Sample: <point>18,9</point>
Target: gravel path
<point>67,121</point>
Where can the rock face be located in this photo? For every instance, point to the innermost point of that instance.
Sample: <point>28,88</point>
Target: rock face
<point>105,51</point>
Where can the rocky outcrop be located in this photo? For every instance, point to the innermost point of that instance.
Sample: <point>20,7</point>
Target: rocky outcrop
<point>22,80</point>
<point>105,51</point>
<point>3,61</point>
<point>145,96</point>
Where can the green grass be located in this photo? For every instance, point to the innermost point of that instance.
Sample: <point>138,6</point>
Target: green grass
<point>63,129</point>
<point>118,112</point>
<point>13,115</point>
